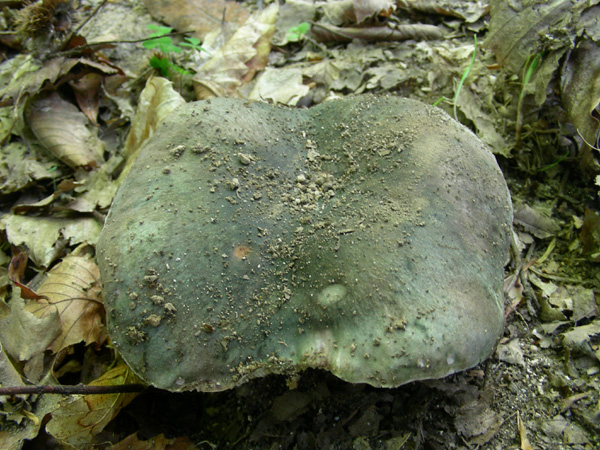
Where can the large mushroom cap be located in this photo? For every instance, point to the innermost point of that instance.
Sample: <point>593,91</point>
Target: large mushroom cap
<point>365,236</point>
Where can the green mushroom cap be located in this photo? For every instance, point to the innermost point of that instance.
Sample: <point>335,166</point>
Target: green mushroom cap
<point>365,236</point>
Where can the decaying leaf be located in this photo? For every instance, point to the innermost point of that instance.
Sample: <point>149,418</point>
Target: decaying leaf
<point>20,166</point>
<point>199,16</point>
<point>77,419</point>
<point>567,303</point>
<point>96,189</point>
<point>476,420</point>
<point>236,63</point>
<point>520,29</point>
<point>61,128</point>
<point>487,128</point>
<point>46,237</point>
<point>470,12</point>
<point>9,376</point>
<point>21,75</point>
<point>160,442</point>
<point>291,14</point>
<point>72,291</point>
<point>86,90</point>
<point>536,222</point>
<point>280,86</point>
<point>365,9</point>
<point>580,85</point>
<point>578,339</point>
<point>590,235</point>
<point>24,335</point>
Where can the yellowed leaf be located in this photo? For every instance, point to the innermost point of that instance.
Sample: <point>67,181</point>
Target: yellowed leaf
<point>236,63</point>
<point>73,292</point>
<point>77,419</point>
<point>525,445</point>
<point>62,129</point>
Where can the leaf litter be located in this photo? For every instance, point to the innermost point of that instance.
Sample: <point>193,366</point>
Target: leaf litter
<point>547,366</point>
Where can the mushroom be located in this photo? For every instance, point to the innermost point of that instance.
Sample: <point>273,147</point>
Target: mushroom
<point>365,236</point>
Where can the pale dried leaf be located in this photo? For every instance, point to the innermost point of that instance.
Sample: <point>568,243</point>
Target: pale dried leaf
<point>9,376</point>
<point>20,166</point>
<point>280,86</point>
<point>77,419</point>
<point>24,335</point>
<point>155,103</point>
<point>487,128</point>
<point>517,29</point>
<point>536,222</point>
<point>236,63</point>
<point>470,11</point>
<point>525,445</point>
<point>579,338</point>
<point>339,12</point>
<point>200,16</point>
<point>62,129</point>
<point>291,14</point>
<point>72,290</point>
<point>365,9</point>
<point>97,190</point>
<point>22,75</point>
<point>45,237</point>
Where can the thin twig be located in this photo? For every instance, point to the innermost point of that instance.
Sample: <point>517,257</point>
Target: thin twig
<point>72,390</point>
<point>73,33</point>
<point>77,50</point>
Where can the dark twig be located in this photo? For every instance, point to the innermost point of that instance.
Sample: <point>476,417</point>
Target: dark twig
<point>72,390</point>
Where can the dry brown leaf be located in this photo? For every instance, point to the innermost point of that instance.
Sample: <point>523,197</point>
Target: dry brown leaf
<point>26,77</point>
<point>536,222</point>
<point>365,9</point>
<point>24,335</point>
<point>525,445</point>
<point>77,419</point>
<point>590,235</point>
<point>72,290</point>
<point>61,128</point>
<point>87,89</point>
<point>155,103</point>
<point>236,63</point>
<point>200,16</point>
<point>160,442</point>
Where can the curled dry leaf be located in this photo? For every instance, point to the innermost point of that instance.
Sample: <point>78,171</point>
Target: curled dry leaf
<point>72,291</point>
<point>331,33</point>
<point>77,419</point>
<point>156,101</point>
<point>61,128</point>
<point>236,63</point>
<point>87,89</point>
